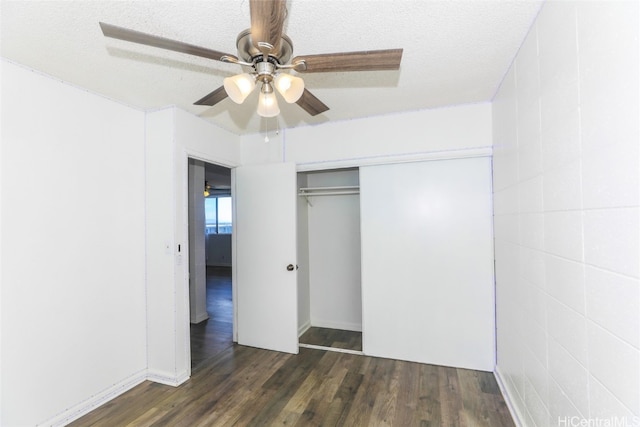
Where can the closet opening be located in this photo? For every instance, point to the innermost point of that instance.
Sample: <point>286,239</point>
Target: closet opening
<point>329,280</point>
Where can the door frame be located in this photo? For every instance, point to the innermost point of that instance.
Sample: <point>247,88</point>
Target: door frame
<point>182,213</point>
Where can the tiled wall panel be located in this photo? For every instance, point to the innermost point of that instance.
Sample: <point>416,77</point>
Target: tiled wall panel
<point>567,194</point>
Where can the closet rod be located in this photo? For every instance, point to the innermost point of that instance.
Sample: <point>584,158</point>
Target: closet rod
<point>346,187</point>
<point>328,193</point>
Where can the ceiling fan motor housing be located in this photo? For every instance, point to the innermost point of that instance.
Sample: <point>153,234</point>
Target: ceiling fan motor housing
<point>266,70</point>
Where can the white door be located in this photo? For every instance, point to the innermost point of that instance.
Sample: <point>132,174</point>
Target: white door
<point>266,277</point>
<point>427,262</point>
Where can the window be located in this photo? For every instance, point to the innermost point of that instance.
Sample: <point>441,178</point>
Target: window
<point>217,212</point>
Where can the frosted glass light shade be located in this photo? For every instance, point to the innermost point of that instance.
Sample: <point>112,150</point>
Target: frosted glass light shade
<point>268,105</point>
<point>290,87</point>
<point>238,87</point>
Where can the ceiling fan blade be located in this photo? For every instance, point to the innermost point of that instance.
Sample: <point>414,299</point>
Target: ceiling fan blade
<point>311,104</point>
<point>213,98</point>
<point>267,20</point>
<point>147,39</point>
<point>368,60</point>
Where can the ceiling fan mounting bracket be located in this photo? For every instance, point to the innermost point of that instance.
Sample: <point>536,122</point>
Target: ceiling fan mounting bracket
<point>249,53</point>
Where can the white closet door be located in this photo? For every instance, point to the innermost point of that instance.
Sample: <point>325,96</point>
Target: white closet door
<point>265,231</point>
<point>427,262</point>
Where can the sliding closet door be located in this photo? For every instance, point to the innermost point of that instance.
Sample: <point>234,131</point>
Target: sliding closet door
<point>427,262</point>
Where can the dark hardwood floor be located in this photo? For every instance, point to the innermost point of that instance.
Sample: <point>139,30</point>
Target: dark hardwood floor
<point>248,386</point>
<point>336,338</point>
<point>215,334</point>
<point>245,386</point>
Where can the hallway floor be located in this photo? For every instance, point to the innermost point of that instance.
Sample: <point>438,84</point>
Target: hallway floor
<point>215,334</point>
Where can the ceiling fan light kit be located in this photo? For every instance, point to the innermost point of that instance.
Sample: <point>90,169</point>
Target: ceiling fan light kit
<point>290,87</point>
<point>267,102</point>
<point>238,87</point>
<point>264,51</point>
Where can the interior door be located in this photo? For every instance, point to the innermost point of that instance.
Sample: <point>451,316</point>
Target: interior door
<point>266,277</point>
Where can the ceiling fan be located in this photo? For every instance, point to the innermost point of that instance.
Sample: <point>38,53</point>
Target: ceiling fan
<point>218,190</point>
<point>265,52</point>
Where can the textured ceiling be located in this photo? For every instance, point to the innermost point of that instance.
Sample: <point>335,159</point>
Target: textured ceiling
<point>455,52</point>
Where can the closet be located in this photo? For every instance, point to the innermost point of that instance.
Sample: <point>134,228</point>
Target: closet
<point>404,253</point>
<point>329,277</point>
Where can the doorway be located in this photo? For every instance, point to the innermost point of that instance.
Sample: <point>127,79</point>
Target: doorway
<point>210,260</point>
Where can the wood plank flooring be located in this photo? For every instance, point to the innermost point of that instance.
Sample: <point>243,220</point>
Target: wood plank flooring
<point>248,386</point>
<point>234,385</point>
<point>215,334</point>
<point>336,338</point>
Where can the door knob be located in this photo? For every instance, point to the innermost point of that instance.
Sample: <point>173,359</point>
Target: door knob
<point>290,267</point>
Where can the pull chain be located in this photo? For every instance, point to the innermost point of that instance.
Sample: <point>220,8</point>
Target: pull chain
<point>266,128</point>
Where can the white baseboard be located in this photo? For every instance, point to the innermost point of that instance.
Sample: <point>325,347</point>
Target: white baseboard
<point>303,328</point>
<point>112,392</point>
<point>345,326</point>
<point>200,318</point>
<point>97,400</point>
<point>163,378</point>
<point>502,385</point>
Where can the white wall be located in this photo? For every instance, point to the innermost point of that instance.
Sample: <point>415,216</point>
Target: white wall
<point>566,180</point>
<point>162,251</point>
<point>389,138</point>
<point>438,133</point>
<point>200,139</point>
<point>73,258</point>
<point>334,253</point>
<point>74,168</point>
